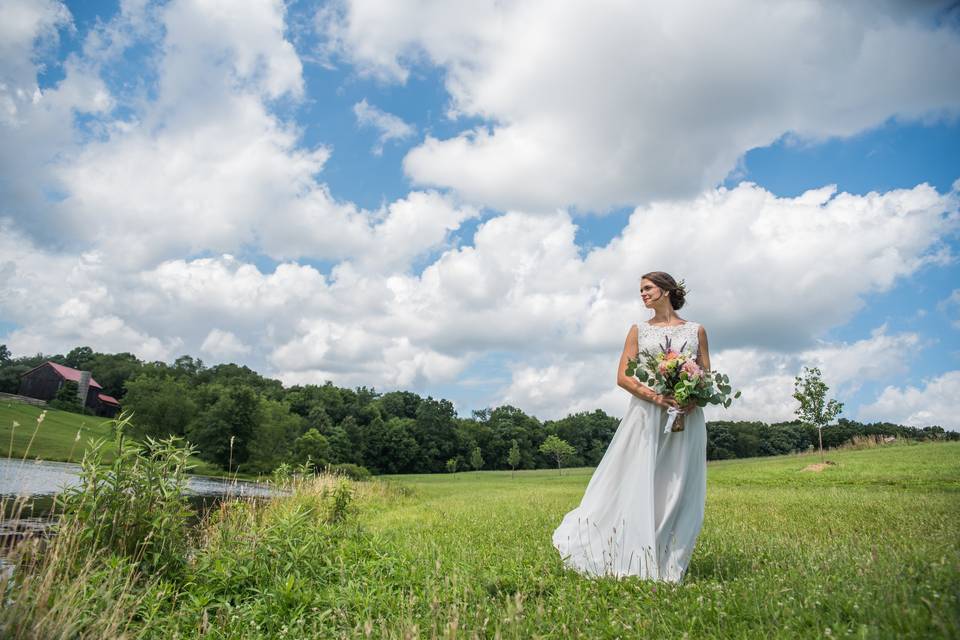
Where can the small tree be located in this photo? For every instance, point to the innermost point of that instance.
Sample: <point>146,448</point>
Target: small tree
<point>476,460</point>
<point>452,465</point>
<point>513,458</point>
<point>311,447</point>
<point>558,448</point>
<point>811,392</point>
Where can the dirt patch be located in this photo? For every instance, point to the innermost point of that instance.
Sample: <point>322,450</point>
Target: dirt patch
<point>819,466</point>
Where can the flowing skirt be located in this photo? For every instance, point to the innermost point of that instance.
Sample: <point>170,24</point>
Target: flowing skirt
<point>643,507</point>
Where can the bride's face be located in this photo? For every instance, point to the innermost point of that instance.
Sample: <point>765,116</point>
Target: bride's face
<point>649,292</point>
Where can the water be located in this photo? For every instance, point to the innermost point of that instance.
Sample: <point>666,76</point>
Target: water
<point>30,487</point>
<point>39,479</point>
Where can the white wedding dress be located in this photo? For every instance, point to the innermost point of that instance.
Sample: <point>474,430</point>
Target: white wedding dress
<point>643,507</point>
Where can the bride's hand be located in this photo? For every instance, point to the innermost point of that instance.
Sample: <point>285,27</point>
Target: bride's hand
<point>665,401</point>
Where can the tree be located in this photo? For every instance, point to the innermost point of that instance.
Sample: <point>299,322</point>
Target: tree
<point>452,465</point>
<point>476,459</point>
<point>4,355</point>
<point>79,358</point>
<point>161,406</point>
<point>513,458</point>
<point>811,392</point>
<point>223,431</point>
<point>274,438</point>
<point>313,446</point>
<point>559,449</point>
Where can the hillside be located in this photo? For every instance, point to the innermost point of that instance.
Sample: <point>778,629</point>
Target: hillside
<point>62,436</point>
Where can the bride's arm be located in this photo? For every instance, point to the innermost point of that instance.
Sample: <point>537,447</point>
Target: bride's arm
<point>704,358</point>
<point>630,383</point>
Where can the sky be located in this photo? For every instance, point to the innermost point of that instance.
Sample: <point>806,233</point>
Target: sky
<point>459,199</point>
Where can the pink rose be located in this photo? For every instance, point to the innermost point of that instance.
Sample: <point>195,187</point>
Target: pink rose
<point>692,369</point>
<point>671,355</point>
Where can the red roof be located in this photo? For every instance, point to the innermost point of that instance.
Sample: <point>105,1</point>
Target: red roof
<point>108,399</point>
<point>70,374</point>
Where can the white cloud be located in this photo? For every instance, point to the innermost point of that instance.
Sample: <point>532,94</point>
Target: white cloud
<point>765,377</point>
<point>127,237</point>
<point>618,103</point>
<point>223,345</point>
<point>390,126</point>
<point>937,402</point>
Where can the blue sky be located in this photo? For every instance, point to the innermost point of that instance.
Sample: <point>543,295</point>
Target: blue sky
<point>205,175</point>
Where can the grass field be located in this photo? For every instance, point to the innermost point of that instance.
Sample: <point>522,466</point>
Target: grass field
<point>868,548</point>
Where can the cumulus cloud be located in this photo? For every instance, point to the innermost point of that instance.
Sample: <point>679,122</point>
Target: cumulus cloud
<point>610,103</point>
<point>935,402</point>
<point>390,126</point>
<point>765,376</point>
<point>223,345</point>
<point>142,228</point>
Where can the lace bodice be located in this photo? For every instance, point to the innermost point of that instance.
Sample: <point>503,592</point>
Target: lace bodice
<point>652,337</point>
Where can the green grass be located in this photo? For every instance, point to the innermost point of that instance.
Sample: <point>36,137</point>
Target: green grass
<point>56,438</point>
<point>867,548</point>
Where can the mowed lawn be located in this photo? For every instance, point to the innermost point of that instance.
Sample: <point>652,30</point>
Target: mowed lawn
<point>63,436</point>
<point>868,548</point>
<point>56,438</point>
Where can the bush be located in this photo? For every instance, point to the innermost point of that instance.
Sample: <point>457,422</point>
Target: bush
<point>134,507</point>
<point>67,400</point>
<point>352,471</point>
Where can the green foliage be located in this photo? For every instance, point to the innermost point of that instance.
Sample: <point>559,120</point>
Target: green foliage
<point>274,439</point>
<point>311,445</point>
<point>558,448</point>
<point>163,405</point>
<point>352,471</point>
<point>452,465</point>
<point>66,398</point>
<point>513,458</point>
<point>476,459</point>
<point>135,505</point>
<point>392,433</point>
<point>811,392</point>
<point>223,431</point>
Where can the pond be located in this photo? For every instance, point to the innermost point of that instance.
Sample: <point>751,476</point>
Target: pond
<point>29,488</point>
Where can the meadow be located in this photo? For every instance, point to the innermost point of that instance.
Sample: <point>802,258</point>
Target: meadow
<point>867,548</point>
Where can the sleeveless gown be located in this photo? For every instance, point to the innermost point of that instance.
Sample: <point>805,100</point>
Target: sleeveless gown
<point>643,507</point>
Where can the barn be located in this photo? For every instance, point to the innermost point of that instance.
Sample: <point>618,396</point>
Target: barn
<point>44,381</point>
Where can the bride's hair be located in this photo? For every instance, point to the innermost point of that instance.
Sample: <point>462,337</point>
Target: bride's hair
<point>665,281</point>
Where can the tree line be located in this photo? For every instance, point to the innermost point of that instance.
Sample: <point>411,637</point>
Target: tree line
<point>243,421</point>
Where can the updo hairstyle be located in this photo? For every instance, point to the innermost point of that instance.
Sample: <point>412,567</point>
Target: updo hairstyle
<point>665,281</point>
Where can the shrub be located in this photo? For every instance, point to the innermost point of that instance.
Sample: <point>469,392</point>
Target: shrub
<point>352,471</point>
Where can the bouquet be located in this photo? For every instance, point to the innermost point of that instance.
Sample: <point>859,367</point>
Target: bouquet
<point>676,373</point>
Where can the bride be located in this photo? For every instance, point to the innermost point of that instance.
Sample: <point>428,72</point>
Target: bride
<point>643,507</point>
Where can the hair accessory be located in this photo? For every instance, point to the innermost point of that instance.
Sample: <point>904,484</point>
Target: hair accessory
<point>681,288</point>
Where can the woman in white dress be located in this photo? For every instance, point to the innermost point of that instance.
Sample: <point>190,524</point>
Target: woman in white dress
<point>643,507</point>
